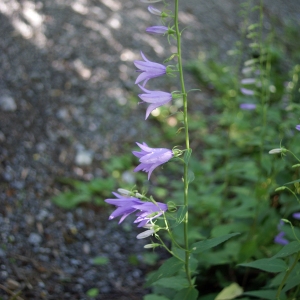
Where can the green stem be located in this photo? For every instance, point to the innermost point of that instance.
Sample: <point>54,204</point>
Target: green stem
<point>187,142</point>
<point>287,275</point>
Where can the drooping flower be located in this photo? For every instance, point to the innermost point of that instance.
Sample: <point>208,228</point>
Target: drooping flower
<point>296,215</point>
<point>149,69</point>
<point>275,151</point>
<point>125,206</point>
<point>157,29</point>
<point>154,11</point>
<point>156,98</point>
<point>150,158</point>
<point>248,106</point>
<point>298,127</point>
<point>247,92</point>
<point>147,211</point>
<point>248,81</point>
<point>279,239</point>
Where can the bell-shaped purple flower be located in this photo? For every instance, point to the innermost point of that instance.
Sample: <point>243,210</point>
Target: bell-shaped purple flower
<point>147,211</point>
<point>125,206</point>
<point>156,98</point>
<point>247,92</point>
<point>149,70</point>
<point>298,127</point>
<point>248,106</point>
<point>150,158</point>
<point>279,239</point>
<point>157,29</point>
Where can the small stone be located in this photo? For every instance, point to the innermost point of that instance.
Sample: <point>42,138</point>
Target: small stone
<point>7,103</point>
<point>34,238</point>
<point>2,137</point>
<point>12,284</point>
<point>84,158</point>
<point>2,253</point>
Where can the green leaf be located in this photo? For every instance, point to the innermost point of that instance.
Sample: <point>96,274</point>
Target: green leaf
<point>191,176</point>
<point>288,249</point>
<point>187,294</point>
<point>70,200</point>
<point>207,244</point>
<point>181,214</point>
<point>266,294</point>
<point>169,268</point>
<point>187,156</point>
<point>272,265</point>
<point>175,283</point>
<point>154,297</point>
<point>230,292</point>
<point>291,282</point>
<point>92,292</point>
<point>100,260</point>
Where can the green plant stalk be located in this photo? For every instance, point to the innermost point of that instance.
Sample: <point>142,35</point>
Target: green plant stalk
<point>187,142</point>
<point>286,276</point>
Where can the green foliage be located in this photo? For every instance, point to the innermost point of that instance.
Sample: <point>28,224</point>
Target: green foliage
<point>93,292</point>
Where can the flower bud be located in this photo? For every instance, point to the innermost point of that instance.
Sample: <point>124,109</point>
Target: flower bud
<point>124,192</point>
<point>149,246</point>
<point>282,188</point>
<point>276,150</point>
<point>145,234</point>
<point>154,10</point>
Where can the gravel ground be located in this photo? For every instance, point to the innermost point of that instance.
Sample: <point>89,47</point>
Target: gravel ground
<point>66,75</point>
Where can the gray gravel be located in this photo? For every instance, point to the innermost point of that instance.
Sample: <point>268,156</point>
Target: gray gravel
<point>66,77</point>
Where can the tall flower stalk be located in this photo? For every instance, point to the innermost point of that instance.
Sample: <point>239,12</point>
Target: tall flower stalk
<point>187,140</point>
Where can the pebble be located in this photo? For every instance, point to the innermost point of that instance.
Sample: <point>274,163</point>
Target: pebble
<point>8,103</point>
<point>84,158</point>
<point>34,238</point>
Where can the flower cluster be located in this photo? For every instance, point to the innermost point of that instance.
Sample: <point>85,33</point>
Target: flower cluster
<point>149,158</point>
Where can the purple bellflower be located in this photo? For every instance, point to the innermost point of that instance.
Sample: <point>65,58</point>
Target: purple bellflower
<point>147,211</point>
<point>157,29</point>
<point>149,69</point>
<point>248,106</point>
<point>156,98</point>
<point>247,92</point>
<point>279,239</point>
<point>150,158</point>
<point>298,127</point>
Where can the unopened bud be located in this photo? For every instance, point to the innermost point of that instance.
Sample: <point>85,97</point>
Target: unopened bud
<point>282,188</point>
<point>124,192</point>
<point>276,150</point>
<point>154,10</point>
<point>149,246</point>
<point>145,234</point>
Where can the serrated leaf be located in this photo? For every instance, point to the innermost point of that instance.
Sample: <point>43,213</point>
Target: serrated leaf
<point>175,283</point>
<point>272,265</point>
<point>230,292</point>
<point>187,294</point>
<point>207,244</point>
<point>288,249</point>
<point>169,268</point>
